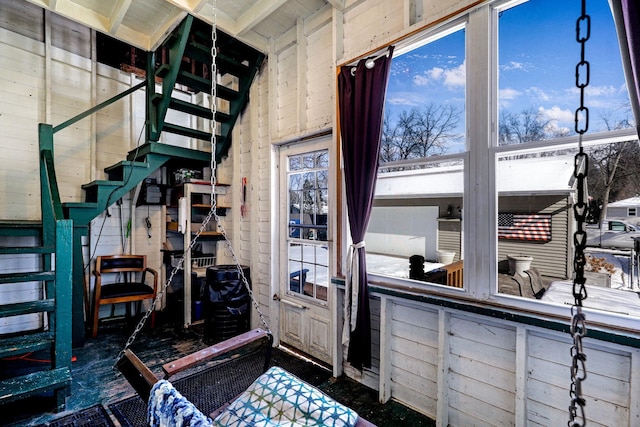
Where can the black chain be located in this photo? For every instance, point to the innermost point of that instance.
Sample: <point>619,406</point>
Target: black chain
<point>581,165</point>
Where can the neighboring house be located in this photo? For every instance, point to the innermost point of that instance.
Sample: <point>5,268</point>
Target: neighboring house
<point>405,198</point>
<point>628,209</point>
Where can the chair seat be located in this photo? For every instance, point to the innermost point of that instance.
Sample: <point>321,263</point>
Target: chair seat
<point>116,290</point>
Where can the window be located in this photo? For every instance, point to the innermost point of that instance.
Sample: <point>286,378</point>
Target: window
<point>537,96</point>
<point>307,177</point>
<point>537,100</point>
<point>416,220</point>
<point>478,158</point>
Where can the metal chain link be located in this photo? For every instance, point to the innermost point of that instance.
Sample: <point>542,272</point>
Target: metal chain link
<point>578,328</point>
<point>212,214</point>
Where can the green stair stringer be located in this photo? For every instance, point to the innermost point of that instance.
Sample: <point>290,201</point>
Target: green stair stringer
<point>110,191</point>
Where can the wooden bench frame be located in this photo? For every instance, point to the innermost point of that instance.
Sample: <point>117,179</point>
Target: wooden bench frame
<point>142,379</point>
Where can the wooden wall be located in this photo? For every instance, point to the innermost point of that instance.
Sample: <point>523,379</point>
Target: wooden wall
<point>466,369</point>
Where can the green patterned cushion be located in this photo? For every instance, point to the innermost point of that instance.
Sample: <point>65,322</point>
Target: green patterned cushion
<point>278,398</point>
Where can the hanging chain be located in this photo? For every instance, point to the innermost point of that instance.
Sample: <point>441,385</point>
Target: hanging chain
<point>581,165</point>
<point>212,211</point>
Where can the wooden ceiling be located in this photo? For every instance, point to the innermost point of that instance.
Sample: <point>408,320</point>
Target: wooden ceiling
<point>145,23</point>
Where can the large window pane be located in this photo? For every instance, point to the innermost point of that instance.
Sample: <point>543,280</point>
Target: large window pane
<point>416,223</point>
<point>308,263</point>
<point>538,54</point>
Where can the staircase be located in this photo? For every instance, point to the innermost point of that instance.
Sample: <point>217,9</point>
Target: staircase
<point>186,52</point>
<point>53,277</point>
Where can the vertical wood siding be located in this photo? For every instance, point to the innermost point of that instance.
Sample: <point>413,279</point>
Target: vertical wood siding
<point>481,366</point>
<point>414,357</point>
<point>320,80</point>
<point>286,98</point>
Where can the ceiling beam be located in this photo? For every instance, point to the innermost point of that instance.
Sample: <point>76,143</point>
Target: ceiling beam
<point>168,25</point>
<point>256,14</point>
<point>338,4</point>
<point>116,18</point>
<point>81,14</point>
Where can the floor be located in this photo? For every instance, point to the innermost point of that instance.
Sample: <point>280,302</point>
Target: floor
<point>96,382</point>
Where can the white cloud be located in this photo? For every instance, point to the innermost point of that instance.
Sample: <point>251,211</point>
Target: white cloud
<point>435,73</point>
<point>449,77</point>
<point>509,94</point>
<point>455,77</point>
<point>538,93</point>
<point>420,80</point>
<point>410,99</point>
<point>513,65</point>
<point>556,114</point>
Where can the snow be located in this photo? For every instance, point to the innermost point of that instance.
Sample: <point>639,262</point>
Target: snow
<point>616,263</point>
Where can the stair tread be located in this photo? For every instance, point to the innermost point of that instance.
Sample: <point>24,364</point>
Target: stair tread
<point>199,83</point>
<point>80,205</point>
<point>185,131</point>
<point>34,383</point>
<point>127,163</point>
<point>5,250</point>
<point>19,227</point>
<point>29,307</point>
<point>27,276</point>
<point>103,182</point>
<point>25,343</point>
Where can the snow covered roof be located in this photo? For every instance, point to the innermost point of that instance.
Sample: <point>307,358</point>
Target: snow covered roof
<point>535,175</point>
<point>630,202</point>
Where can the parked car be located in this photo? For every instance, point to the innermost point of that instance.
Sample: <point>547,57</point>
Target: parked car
<point>614,234</point>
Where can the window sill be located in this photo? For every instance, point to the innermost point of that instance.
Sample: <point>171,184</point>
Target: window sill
<point>609,327</point>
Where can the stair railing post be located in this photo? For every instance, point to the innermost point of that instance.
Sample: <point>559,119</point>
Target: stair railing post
<point>51,206</point>
<point>63,295</point>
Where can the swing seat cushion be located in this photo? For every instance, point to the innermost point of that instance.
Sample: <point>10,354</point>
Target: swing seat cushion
<point>278,398</point>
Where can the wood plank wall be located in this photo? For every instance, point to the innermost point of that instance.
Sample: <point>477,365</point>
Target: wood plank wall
<point>466,369</point>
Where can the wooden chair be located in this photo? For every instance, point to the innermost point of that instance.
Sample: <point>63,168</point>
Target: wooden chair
<point>132,287</point>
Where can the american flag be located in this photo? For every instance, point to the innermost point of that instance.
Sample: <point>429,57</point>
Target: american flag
<point>514,226</point>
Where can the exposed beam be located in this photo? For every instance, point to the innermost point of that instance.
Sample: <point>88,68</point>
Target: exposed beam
<point>81,14</point>
<point>257,13</point>
<point>338,4</point>
<point>116,18</point>
<point>168,25</point>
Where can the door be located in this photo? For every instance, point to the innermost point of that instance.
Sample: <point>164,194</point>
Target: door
<point>305,318</point>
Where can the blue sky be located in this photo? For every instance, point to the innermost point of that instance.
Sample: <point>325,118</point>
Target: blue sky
<point>538,53</point>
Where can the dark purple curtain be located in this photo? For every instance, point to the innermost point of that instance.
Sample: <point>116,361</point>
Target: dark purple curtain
<point>627,17</point>
<point>361,92</point>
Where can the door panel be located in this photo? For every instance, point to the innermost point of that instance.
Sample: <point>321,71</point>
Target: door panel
<point>305,320</point>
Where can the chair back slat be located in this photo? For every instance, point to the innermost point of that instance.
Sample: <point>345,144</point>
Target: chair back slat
<point>121,263</point>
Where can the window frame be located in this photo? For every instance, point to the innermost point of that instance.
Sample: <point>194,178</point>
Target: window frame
<point>480,241</point>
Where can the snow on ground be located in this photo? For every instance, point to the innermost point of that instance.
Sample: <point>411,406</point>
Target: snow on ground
<point>617,264</point>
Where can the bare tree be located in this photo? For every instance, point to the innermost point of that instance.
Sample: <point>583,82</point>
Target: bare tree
<point>614,171</point>
<point>419,133</point>
<point>527,126</point>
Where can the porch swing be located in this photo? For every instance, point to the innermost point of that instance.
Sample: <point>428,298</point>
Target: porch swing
<point>275,397</point>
